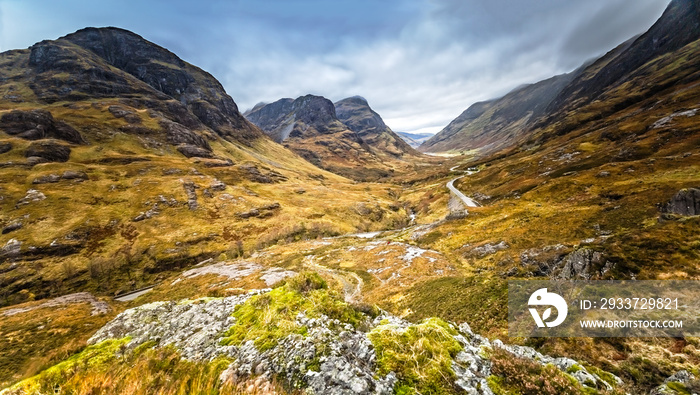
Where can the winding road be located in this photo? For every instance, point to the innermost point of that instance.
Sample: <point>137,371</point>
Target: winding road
<point>469,202</point>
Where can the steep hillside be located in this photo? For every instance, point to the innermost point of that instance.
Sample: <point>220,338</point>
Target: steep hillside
<point>623,77</point>
<point>678,26</point>
<point>492,125</point>
<point>310,127</point>
<point>359,117</point>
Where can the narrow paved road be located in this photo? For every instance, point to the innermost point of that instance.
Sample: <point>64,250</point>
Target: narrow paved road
<point>469,202</point>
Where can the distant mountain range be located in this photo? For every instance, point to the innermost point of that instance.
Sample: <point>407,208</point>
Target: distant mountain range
<point>634,71</point>
<point>415,139</point>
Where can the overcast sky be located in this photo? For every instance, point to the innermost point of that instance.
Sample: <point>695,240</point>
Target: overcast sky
<point>419,63</point>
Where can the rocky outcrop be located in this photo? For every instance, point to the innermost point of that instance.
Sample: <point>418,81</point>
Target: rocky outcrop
<point>541,262</point>
<point>260,212</point>
<point>686,202</point>
<point>252,172</point>
<point>48,150</point>
<point>191,191</point>
<point>37,125</point>
<point>12,226</point>
<point>98,306</point>
<point>359,117</point>
<point>10,250</point>
<point>74,175</point>
<point>32,196</point>
<point>585,264</point>
<point>675,384</point>
<point>192,151</point>
<point>331,357</point>
<point>488,249</point>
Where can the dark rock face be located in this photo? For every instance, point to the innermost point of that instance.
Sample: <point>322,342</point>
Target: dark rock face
<point>252,173</point>
<point>359,117</point>
<point>685,202</point>
<point>74,175</point>
<point>50,150</point>
<point>111,62</point>
<point>192,151</point>
<point>678,26</point>
<point>584,264</point>
<point>38,124</point>
<point>178,134</point>
<point>167,73</point>
<point>47,179</point>
<point>280,120</point>
<point>5,147</point>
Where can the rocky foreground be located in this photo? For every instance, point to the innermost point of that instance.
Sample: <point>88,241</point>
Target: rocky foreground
<point>305,337</point>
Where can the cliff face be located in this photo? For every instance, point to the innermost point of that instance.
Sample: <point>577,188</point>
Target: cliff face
<point>347,138</point>
<point>96,63</point>
<point>359,117</point>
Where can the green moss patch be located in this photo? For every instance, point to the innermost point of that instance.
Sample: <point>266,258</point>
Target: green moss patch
<point>420,355</point>
<point>267,318</point>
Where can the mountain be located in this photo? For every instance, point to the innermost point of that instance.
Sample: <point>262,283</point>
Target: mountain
<point>120,163</point>
<point>677,27</point>
<point>359,117</point>
<point>362,148</point>
<point>639,69</point>
<point>492,125</point>
<point>110,62</point>
<point>415,139</point>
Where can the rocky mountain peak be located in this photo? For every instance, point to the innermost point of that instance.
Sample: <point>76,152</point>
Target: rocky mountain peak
<point>101,62</point>
<point>316,111</point>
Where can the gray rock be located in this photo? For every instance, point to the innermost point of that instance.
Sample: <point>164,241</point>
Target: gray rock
<point>680,377</point>
<point>581,264</point>
<point>12,226</point>
<point>32,196</point>
<point>217,185</point>
<point>192,151</point>
<point>38,124</point>
<point>11,249</point>
<point>35,160</point>
<point>50,150</point>
<point>248,214</point>
<point>543,261</point>
<point>74,175</point>
<point>148,214</point>
<point>686,202</point>
<point>190,190</point>
<point>47,179</point>
<point>489,249</point>
<point>603,174</point>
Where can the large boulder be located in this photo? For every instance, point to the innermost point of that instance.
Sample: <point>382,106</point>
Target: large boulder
<point>584,263</point>
<point>50,150</point>
<point>38,124</point>
<point>684,202</point>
